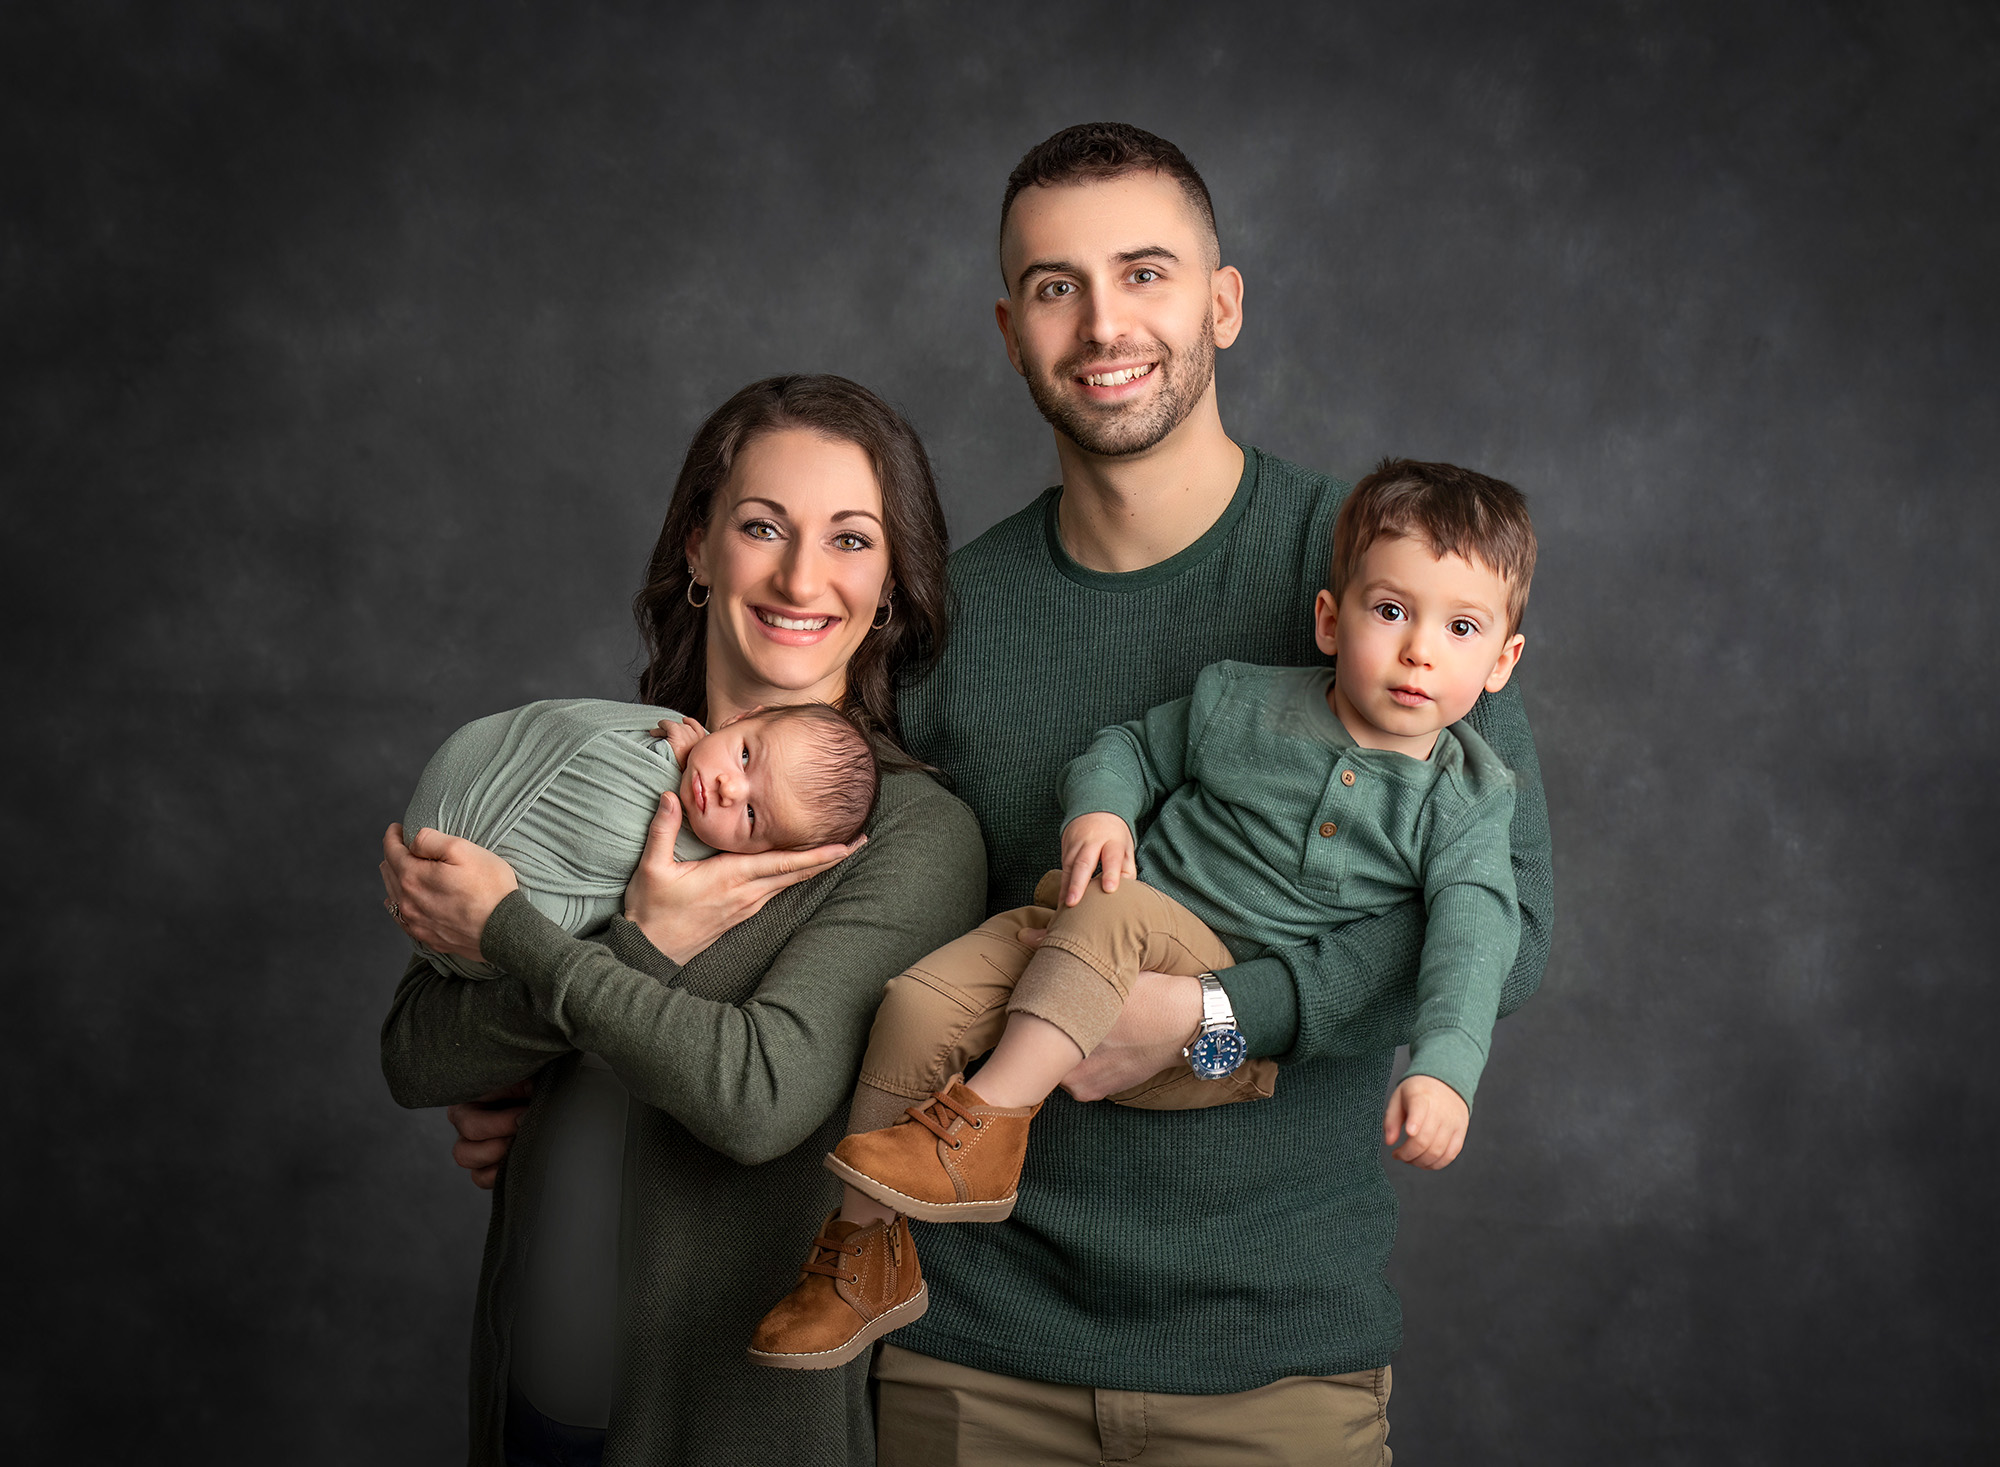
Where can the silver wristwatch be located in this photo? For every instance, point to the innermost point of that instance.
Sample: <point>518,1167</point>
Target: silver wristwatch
<point>1218,1047</point>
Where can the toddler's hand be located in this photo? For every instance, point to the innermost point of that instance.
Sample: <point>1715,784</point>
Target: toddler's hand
<point>1091,841</point>
<point>681,735</point>
<point>1431,1117</point>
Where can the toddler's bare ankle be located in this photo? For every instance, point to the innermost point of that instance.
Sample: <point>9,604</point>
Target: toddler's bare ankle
<point>859,1208</point>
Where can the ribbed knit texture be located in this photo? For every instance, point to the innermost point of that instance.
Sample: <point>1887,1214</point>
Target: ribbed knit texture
<point>1272,825</point>
<point>1185,1251</point>
<point>740,1065</point>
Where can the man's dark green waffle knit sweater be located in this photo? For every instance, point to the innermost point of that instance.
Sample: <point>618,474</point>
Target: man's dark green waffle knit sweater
<point>1197,1251</point>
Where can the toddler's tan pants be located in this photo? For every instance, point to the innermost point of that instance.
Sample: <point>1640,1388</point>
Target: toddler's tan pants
<point>943,1013</point>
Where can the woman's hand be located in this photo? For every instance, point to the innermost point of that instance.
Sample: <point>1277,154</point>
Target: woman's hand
<point>486,1128</point>
<point>442,892</point>
<point>683,906</point>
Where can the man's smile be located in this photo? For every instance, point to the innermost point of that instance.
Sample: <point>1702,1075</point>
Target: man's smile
<point>1116,376</point>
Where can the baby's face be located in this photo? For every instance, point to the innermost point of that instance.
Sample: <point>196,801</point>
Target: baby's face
<point>736,787</point>
<point>1419,638</point>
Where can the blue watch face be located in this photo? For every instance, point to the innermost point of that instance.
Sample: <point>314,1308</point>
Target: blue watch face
<point>1217,1054</point>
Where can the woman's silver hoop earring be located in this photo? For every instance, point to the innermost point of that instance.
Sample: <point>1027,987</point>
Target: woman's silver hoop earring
<point>890,607</point>
<point>697,605</point>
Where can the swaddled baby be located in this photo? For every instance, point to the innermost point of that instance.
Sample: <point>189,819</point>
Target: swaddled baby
<point>564,791</point>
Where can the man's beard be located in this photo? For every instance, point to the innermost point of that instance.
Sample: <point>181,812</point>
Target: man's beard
<point>1120,430</point>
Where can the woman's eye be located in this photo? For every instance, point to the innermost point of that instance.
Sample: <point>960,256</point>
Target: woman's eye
<point>850,542</point>
<point>761,530</point>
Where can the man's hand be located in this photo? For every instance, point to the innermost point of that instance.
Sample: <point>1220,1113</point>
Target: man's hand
<point>681,734</point>
<point>1430,1117</point>
<point>1161,1014</point>
<point>486,1128</point>
<point>1091,841</point>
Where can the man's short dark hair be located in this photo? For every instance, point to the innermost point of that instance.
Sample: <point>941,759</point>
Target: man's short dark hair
<point>1092,152</point>
<point>1452,511</point>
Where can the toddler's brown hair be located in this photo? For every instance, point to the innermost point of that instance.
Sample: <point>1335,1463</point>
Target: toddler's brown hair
<point>1451,510</point>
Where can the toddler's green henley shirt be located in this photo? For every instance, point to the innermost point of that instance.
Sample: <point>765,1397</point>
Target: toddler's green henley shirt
<point>1274,826</point>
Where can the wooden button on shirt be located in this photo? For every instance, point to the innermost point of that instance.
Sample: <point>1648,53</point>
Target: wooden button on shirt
<point>1328,828</point>
<point>1347,777</point>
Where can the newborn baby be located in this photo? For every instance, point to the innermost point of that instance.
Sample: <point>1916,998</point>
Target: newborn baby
<point>564,791</point>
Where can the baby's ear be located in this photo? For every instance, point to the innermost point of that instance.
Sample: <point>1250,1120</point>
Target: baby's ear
<point>1503,667</point>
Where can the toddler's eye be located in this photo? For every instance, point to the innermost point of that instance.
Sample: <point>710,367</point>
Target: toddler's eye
<point>1389,611</point>
<point>1460,627</point>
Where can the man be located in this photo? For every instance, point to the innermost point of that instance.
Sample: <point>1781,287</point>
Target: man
<point>1166,1279</point>
<point>1200,1286</point>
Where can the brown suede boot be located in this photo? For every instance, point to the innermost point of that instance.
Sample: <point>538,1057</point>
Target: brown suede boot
<point>858,1284</point>
<point>952,1159</point>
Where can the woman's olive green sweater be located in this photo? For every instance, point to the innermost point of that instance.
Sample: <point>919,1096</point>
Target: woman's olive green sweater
<point>740,1064</point>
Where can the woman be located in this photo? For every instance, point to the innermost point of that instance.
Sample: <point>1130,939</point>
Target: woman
<point>691,1068</point>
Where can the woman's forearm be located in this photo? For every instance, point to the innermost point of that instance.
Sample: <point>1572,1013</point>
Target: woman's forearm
<point>753,1078</point>
<point>448,1039</point>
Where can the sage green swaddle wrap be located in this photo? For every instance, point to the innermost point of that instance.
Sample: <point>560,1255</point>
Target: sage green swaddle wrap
<point>563,791</point>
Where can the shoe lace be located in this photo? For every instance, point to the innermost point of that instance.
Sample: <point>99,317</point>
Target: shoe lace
<point>925,1115</point>
<point>839,1248</point>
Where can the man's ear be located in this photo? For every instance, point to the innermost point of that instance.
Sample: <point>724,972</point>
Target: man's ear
<point>1003,317</point>
<point>1326,621</point>
<point>1226,301</point>
<point>1509,659</point>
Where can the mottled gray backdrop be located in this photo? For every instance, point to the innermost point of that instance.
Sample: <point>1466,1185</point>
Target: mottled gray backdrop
<point>349,350</point>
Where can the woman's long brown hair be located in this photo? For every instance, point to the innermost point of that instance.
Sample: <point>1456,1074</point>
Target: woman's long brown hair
<point>676,632</point>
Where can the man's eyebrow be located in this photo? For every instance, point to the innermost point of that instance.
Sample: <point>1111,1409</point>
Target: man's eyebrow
<point>1045,267</point>
<point>1123,257</point>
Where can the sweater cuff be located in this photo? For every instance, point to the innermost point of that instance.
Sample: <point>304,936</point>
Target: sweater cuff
<point>1265,1001</point>
<point>1091,791</point>
<point>1450,1055</point>
<point>630,945</point>
<point>521,942</point>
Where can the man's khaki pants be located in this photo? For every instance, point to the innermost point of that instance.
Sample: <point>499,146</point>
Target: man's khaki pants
<point>931,1413</point>
<point>951,1007</point>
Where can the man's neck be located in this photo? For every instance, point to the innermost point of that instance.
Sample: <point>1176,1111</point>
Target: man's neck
<point>1126,513</point>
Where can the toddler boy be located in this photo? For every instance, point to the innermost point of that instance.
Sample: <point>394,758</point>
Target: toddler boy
<point>564,791</point>
<point>1283,803</point>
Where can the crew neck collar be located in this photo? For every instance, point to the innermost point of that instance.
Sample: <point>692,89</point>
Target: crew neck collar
<point>1159,572</point>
